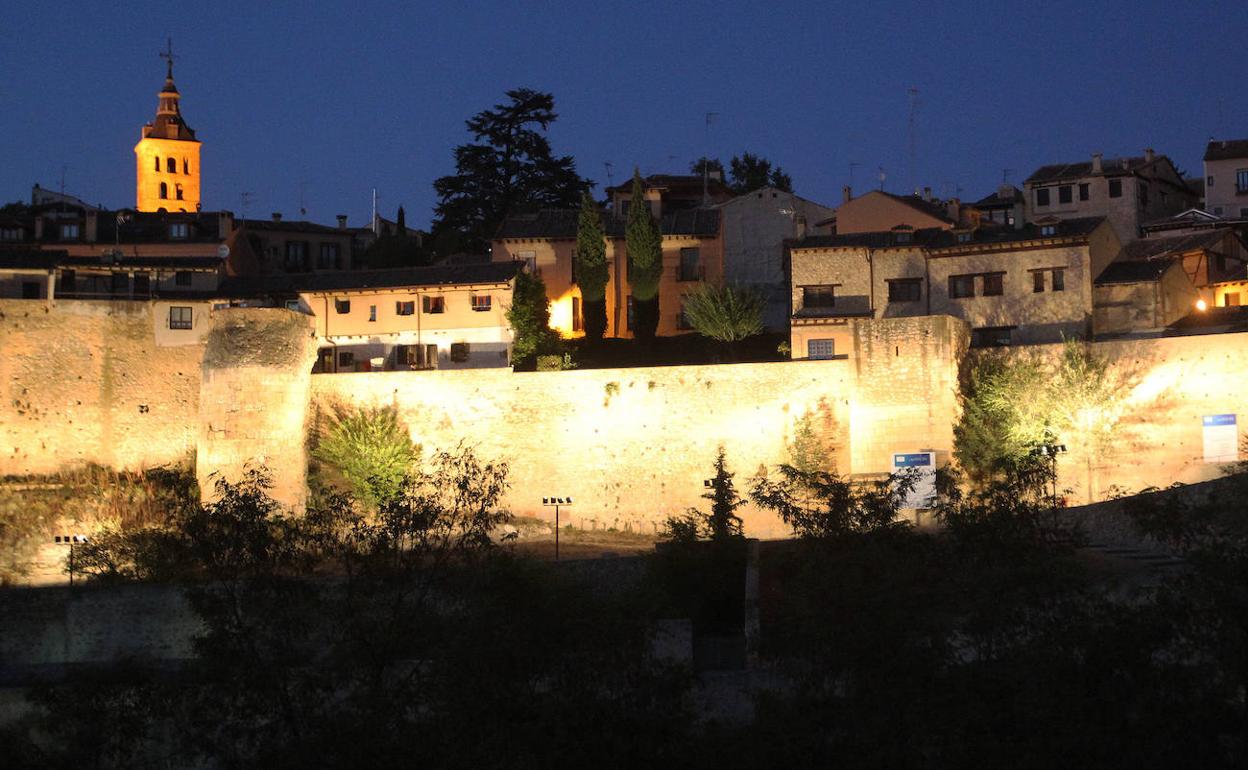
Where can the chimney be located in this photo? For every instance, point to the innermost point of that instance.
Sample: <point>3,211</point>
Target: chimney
<point>342,221</point>
<point>1149,155</point>
<point>715,174</point>
<point>927,193</point>
<point>1096,163</point>
<point>39,226</point>
<point>91,228</point>
<point>847,194</point>
<point>225,224</point>
<point>1006,192</point>
<point>799,226</point>
<point>277,216</point>
<point>955,210</point>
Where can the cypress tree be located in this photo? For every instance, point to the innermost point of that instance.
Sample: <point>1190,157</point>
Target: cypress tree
<point>591,267</point>
<point>645,261</point>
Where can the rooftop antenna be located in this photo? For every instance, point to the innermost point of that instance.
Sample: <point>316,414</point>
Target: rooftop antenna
<point>303,211</point>
<point>706,171</point>
<point>883,176</point>
<point>852,166</point>
<point>1005,175</point>
<point>374,211</point>
<point>913,95</point>
<point>245,199</point>
<point>610,177</point>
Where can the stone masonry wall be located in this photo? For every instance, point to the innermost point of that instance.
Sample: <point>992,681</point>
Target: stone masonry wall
<point>85,382</point>
<point>254,398</point>
<point>632,446</point>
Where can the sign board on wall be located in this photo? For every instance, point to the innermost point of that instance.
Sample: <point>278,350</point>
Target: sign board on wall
<point>923,464</point>
<point>1221,436</point>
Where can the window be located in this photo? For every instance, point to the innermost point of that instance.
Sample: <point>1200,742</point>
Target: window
<point>1115,188</point>
<point>990,336</point>
<point>1217,211</point>
<point>171,165</point>
<point>481,302</point>
<point>1230,299</point>
<point>30,290</point>
<point>177,191</point>
<point>529,258</point>
<point>1208,181</point>
<point>327,259</point>
<point>1064,194</point>
<point>180,317</point>
<point>405,308</point>
<point>324,361</point>
<point>821,349</point>
<point>182,278</point>
<point>178,230</point>
<point>296,256</point>
<point>961,286</point>
<point>1084,190</point>
<point>372,312</point>
<point>1143,195</point>
<point>142,284</point>
<point>1243,213</point>
<point>904,236</point>
<point>186,166</point>
<point>119,284</point>
<point>157,164</point>
<point>818,296</point>
<point>629,313</point>
<point>1042,196</point>
<point>578,320</point>
<point>433,304</point>
<point>905,290</point>
<point>1059,279</point>
<point>342,306</point>
<point>69,231</point>
<point>346,360</point>
<point>68,279</point>
<point>1037,281</point>
<point>164,191</point>
<point>964,237</point>
<point>994,284</point>
<point>1048,229</point>
<point>690,264</point>
<point>292,304</point>
<point>459,352</point>
<point>572,266</point>
<point>11,234</point>
<point>1241,181</point>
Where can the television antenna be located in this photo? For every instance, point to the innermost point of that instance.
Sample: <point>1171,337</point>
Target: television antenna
<point>610,177</point>
<point>706,172</point>
<point>913,94</point>
<point>245,199</point>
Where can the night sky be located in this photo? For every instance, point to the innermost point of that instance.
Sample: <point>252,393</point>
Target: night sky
<point>326,101</point>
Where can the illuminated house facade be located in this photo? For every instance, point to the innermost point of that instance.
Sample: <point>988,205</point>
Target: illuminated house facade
<point>1226,178</point>
<point>167,157</point>
<point>692,245</point>
<point>440,317</point>
<point>1011,285</point>
<point>877,211</point>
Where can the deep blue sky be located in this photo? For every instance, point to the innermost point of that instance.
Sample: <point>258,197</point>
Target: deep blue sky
<point>336,99</point>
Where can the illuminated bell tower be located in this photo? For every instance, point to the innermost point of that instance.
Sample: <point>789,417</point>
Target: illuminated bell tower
<point>167,155</point>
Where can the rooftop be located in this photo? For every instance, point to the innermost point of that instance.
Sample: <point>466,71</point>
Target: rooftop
<point>934,238</point>
<point>561,223</point>
<point>436,275</point>
<point>1226,149</point>
<point>1139,271</point>
<point>1109,167</point>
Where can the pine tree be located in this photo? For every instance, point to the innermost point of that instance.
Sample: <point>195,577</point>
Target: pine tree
<point>510,167</point>
<point>644,243</point>
<point>591,267</point>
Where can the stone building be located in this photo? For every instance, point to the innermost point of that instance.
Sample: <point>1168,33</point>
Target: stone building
<point>1127,191</point>
<point>755,226</point>
<point>1226,178</point>
<point>878,211</point>
<point>167,157</point>
<point>440,317</point>
<point>1011,285</point>
<point>275,246</point>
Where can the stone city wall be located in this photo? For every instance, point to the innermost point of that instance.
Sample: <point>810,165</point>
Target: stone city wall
<point>86,382</point>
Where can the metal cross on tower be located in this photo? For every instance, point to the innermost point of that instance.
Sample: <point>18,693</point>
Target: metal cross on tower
<point>168,56</point>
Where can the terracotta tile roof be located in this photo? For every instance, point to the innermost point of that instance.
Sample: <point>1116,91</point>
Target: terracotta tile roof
<point>1137,271</point>
<point>1150,248</point>
<point>561,224</point>
<point>931,208</point>
<point>935,238</point>
<point>1109,167</point>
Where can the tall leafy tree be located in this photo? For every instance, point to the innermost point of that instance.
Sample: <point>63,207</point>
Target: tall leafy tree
<point>711,165</point>
<point>644,243</point>
<point>529,316</point>
<point>750,172</point>
<point>591,267</point>
<point>510,165</point>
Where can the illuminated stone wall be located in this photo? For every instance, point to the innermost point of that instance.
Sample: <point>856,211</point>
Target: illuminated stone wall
<point>632,446</point>
<point>87,382</point>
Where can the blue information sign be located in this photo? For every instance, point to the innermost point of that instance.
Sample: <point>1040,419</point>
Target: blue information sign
<point>1219,419</point>
<point>920,460</point>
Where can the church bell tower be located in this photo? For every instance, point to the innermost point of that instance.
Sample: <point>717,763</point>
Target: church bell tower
<point>167,155</point>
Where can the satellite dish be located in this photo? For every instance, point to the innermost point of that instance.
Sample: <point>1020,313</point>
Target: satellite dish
<point>223,251</point>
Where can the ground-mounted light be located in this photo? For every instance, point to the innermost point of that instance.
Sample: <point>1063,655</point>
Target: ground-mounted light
<point>556,502</point>
<point>71,541</point>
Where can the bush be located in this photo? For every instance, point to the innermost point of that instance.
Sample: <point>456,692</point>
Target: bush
<point>371,448</point>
